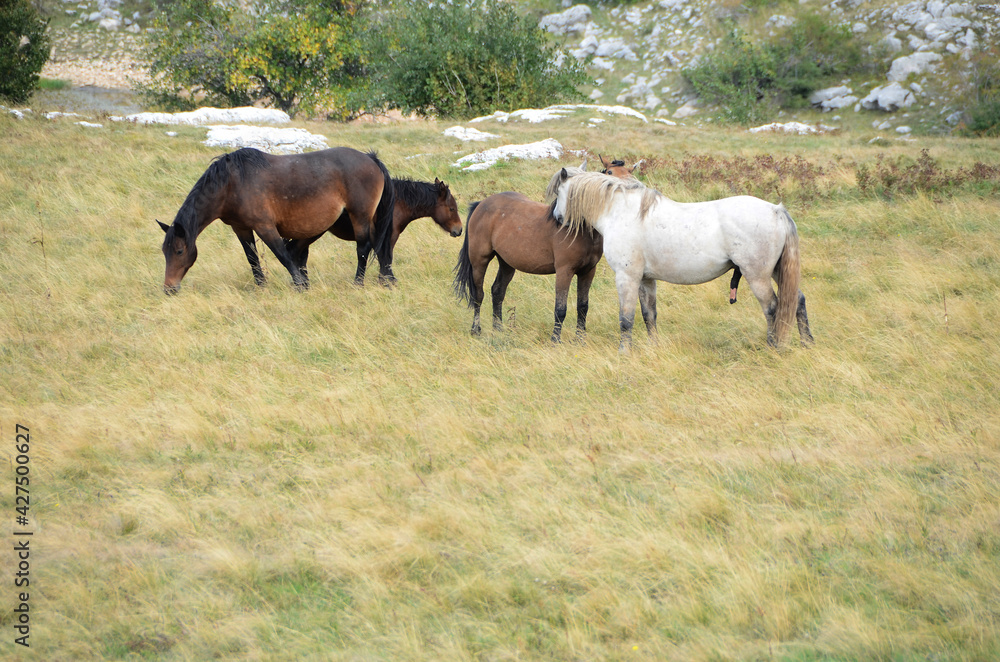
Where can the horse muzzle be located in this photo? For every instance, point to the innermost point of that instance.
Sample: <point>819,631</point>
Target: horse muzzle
<point>457,232</point>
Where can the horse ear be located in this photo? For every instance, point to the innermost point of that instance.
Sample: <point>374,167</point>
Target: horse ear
<point>163,225</point>
<point>583,166</point>
<point>179,231</point>
<point>636,166</point>
<point>563,175</point>
<point>603,162</point>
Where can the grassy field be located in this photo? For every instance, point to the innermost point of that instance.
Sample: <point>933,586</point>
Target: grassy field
<point>257,473</point>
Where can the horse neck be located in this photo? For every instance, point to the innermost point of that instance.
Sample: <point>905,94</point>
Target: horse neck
<point>201,208</point>
<point>404,213</point>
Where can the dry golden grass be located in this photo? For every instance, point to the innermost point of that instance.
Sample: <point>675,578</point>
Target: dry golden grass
<point>254,473</point>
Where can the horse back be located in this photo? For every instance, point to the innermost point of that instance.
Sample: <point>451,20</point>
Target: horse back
<point>523,233</point>
<point>305,194</point>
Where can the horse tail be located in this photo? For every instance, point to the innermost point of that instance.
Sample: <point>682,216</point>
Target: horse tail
<point>382,237</point>
<point>463,270</point>
<point>788,281</point>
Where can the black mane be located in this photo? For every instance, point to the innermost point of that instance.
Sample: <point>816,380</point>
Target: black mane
<point>419,195</point>
<point>243,163</point>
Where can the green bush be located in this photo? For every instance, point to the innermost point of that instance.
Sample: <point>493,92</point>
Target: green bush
<point>298,55</point>
<point>24,49</point>
<point>983,110</point>
<point>739,77</point>
<point>466,58</point>
<point>750,81</point>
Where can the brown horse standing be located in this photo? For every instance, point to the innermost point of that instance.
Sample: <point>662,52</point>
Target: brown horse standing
<point>296,196</point>
<point>523,236</point>
<point>413,200</point>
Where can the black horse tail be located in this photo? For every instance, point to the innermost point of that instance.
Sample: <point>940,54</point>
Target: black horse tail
<point>382,239</point>
<point>463,270</point>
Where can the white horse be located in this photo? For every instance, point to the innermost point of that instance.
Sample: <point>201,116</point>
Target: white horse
<point>648,237</point>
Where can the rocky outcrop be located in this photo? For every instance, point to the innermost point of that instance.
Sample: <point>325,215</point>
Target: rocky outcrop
<point>635,50</point>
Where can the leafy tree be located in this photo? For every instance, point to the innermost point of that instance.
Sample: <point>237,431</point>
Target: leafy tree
<point>24,49</point>
<point>466,58</point>
<point>299,55</point>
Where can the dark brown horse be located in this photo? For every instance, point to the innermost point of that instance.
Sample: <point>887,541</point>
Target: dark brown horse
<point>296,196</point>
<point>523,236</point>
<point>413,200</point>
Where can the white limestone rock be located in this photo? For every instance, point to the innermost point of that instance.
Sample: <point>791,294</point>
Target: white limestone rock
<point>544,149</point>
<point>572,21</point>
<point>915,64</point>
<point>889,98</point>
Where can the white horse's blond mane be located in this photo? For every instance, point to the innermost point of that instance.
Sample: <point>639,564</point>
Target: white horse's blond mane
<point>553,187</point>
<point>590,194</point>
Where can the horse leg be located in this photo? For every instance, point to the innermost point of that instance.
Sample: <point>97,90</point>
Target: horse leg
<point>564,277</point>
<point>476,294</point>
<point>734,283</point>
<point>583,283</point>
<point>499,292</point>
<point>761,288</point>
<point>647,304</point>
<point>628,293</point>
<point>298,250</point>
<point>277,245</point>
<point>364,250</point>
<point>803,320</point>
<point>245,235</point>
<point>385,275</point>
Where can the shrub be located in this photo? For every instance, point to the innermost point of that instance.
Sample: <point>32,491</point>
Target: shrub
<point>750,81</point>
<point>889,178</point>
<point>738,77</point>
<point>468,58</point>
<point>983,110</point>
<point>299,55</point>
<point>24,49</point>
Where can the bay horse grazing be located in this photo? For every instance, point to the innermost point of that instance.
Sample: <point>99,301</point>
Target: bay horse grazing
<point>295,196</point>
<point>648,237</point>
<point>523,236</point>
<point>413,200</point>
